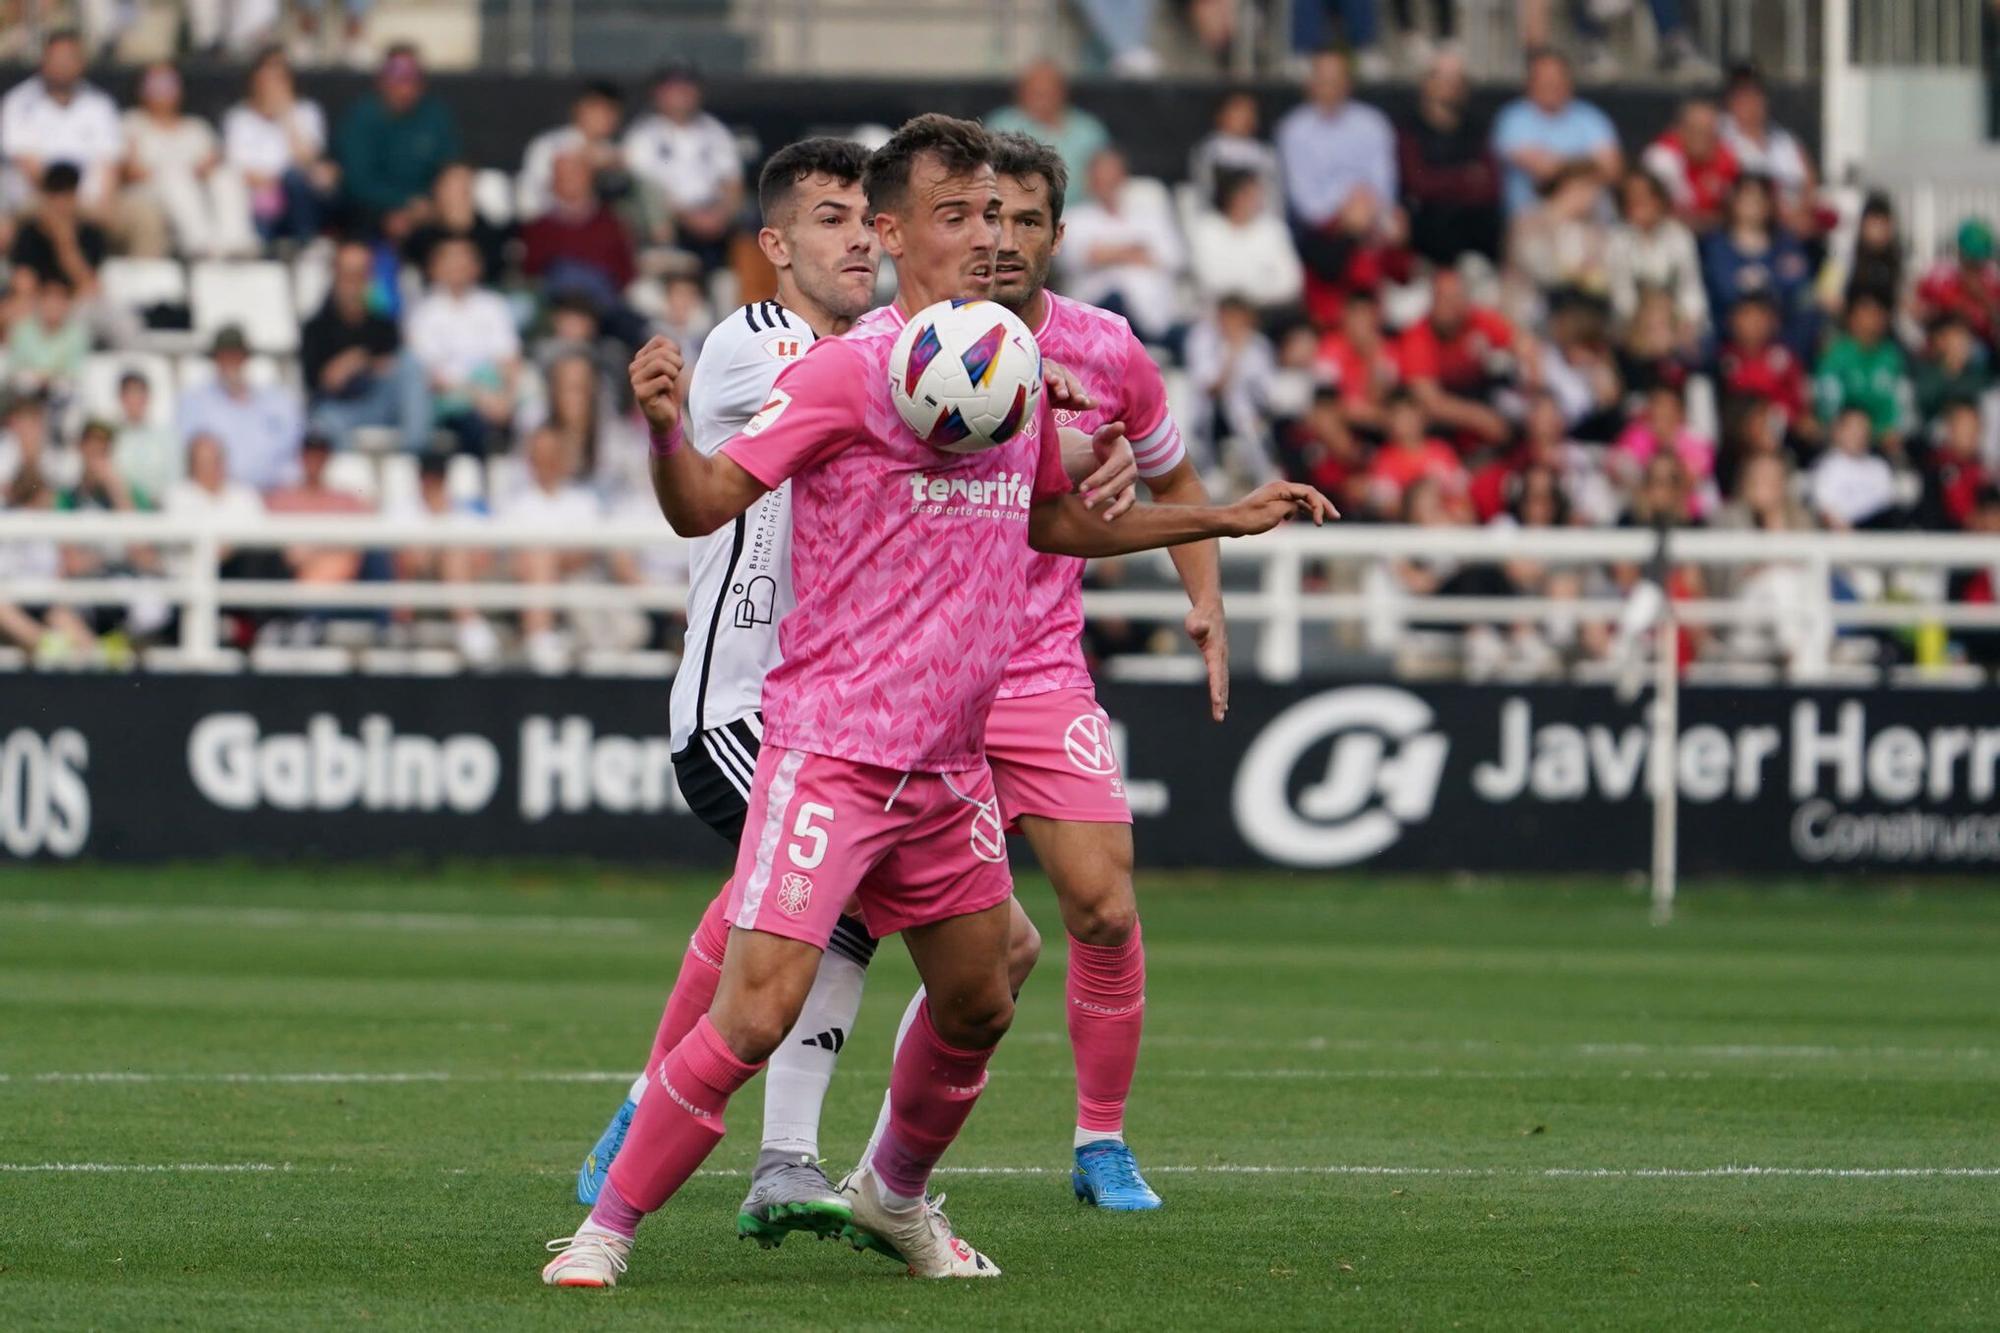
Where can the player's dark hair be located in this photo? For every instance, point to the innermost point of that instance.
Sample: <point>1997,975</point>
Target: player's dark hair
<point>961,145</point>
<point>1025,157</point>
<point>842,159</point>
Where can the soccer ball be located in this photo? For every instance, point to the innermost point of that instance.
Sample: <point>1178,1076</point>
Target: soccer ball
<point>965,375</point>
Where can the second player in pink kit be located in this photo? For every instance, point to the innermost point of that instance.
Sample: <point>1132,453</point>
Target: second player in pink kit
<point>872,779</point>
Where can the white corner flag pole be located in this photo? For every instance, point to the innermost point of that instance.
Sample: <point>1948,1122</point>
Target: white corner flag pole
<point>1649,617</point>
<point>1665,747</point>
<point>1666,752</point>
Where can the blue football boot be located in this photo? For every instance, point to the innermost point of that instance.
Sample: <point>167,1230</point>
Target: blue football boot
<point>590,1176</point>
<point>1107,1176</point>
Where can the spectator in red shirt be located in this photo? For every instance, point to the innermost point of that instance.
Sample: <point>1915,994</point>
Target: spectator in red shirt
<point>1968,286</point>
<point>579,246</point>
<point>313,495</point>
<point>1408,455</point>
<point>1957,473</point>
<point>1692,161</point>
<point>1455,359</point>
<point>1754,367</point>
<point>1588,495</point>
<point>1319,449</point>
<point>1444,160</point>
<point>1362,364</point>
<point>1982,585</point>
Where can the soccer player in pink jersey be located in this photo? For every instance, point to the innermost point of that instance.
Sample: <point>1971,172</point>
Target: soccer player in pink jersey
<point>1055,770</point>
<point>872,779</point>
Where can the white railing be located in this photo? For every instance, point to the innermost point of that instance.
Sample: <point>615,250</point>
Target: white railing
<point>1280,605</point>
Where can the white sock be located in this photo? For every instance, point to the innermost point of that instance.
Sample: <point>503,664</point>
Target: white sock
<point>1084,1136</point>
<point>638,1089</point>
<point>902,1030</point>
<point>795,1080</point>
<point>901,1203</point>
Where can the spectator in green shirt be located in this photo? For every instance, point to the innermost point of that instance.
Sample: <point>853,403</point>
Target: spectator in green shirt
<point>149,453</point>
<point>46,346</point>
<point>1863,368</point>
<point>1953,367</point>
<point>392,144</point>
<point>1042,111</point>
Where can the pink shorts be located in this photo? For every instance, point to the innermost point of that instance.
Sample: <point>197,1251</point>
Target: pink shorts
<point>916,847</point>
<point>1052,756</point>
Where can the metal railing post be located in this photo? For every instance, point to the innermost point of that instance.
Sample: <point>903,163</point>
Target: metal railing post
<point>521,34</point>
<point>1281,652</point>
<point>562,35</point>
<point>201,617</point>
<point>1815,654</point>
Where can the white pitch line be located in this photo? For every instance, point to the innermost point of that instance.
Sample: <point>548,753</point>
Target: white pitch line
<point>1210,1169</point>
<point>287,918</point>
<point>112,1077</point>
<point>1638,1049</point>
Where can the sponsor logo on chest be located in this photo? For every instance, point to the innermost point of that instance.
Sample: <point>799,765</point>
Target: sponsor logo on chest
<point>1005,496</point>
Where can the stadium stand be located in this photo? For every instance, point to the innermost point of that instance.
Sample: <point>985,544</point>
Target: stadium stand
<point>1521,302</point>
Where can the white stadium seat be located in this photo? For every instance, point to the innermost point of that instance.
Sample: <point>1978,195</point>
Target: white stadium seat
<point>399,481</point>
<point>353,473</point>
<point>312,277</point>
<point>465,480</point>
<point>493,196</point>
<point>134,284</point>
<point>256,296</point>
<point>97,384</point>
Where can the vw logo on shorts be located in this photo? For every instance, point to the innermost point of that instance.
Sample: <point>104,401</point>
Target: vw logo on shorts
<point>989,836</point>
<point>1088,745</point>
<point>795,893</point>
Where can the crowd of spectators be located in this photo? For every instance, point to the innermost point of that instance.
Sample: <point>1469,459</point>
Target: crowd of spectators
<point>1451,320</point>
<point>1126,34</point>
<point>444,331</point>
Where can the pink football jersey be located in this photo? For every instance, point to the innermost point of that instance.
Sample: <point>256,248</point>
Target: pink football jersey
<point>908,562</point>
<point>1100,349</point>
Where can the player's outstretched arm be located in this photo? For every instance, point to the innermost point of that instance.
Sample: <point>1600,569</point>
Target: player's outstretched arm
<point>697,492</point>
<point>1200,566</point>
<point>1062,525</point>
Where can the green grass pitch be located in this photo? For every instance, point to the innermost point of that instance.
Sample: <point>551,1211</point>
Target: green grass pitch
<point>355,1098</point>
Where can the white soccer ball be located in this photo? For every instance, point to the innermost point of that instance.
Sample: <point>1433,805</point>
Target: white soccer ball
<point>966,375</point>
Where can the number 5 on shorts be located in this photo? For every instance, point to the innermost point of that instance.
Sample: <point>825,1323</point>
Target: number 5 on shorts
<point>805,830</point>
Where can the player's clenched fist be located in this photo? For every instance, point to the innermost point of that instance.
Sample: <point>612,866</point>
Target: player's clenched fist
<point>656,376</point>
<point>1271,504</point>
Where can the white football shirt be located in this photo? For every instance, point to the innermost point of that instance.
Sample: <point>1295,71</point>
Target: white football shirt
<point>740,576</point>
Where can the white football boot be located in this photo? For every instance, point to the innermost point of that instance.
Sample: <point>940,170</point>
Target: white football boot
<point>593,1257</point>
<point>920,1233</point>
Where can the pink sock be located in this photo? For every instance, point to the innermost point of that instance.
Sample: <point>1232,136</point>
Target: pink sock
<point>931,1092</point>
<point>676,1127</point>
<point>694,988</point>
<point>1107,1009</point>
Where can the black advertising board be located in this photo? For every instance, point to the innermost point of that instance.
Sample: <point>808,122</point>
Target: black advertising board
<point>1310,777</point>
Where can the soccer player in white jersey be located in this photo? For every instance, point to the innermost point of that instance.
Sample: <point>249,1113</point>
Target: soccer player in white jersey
<point>860,794</point>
